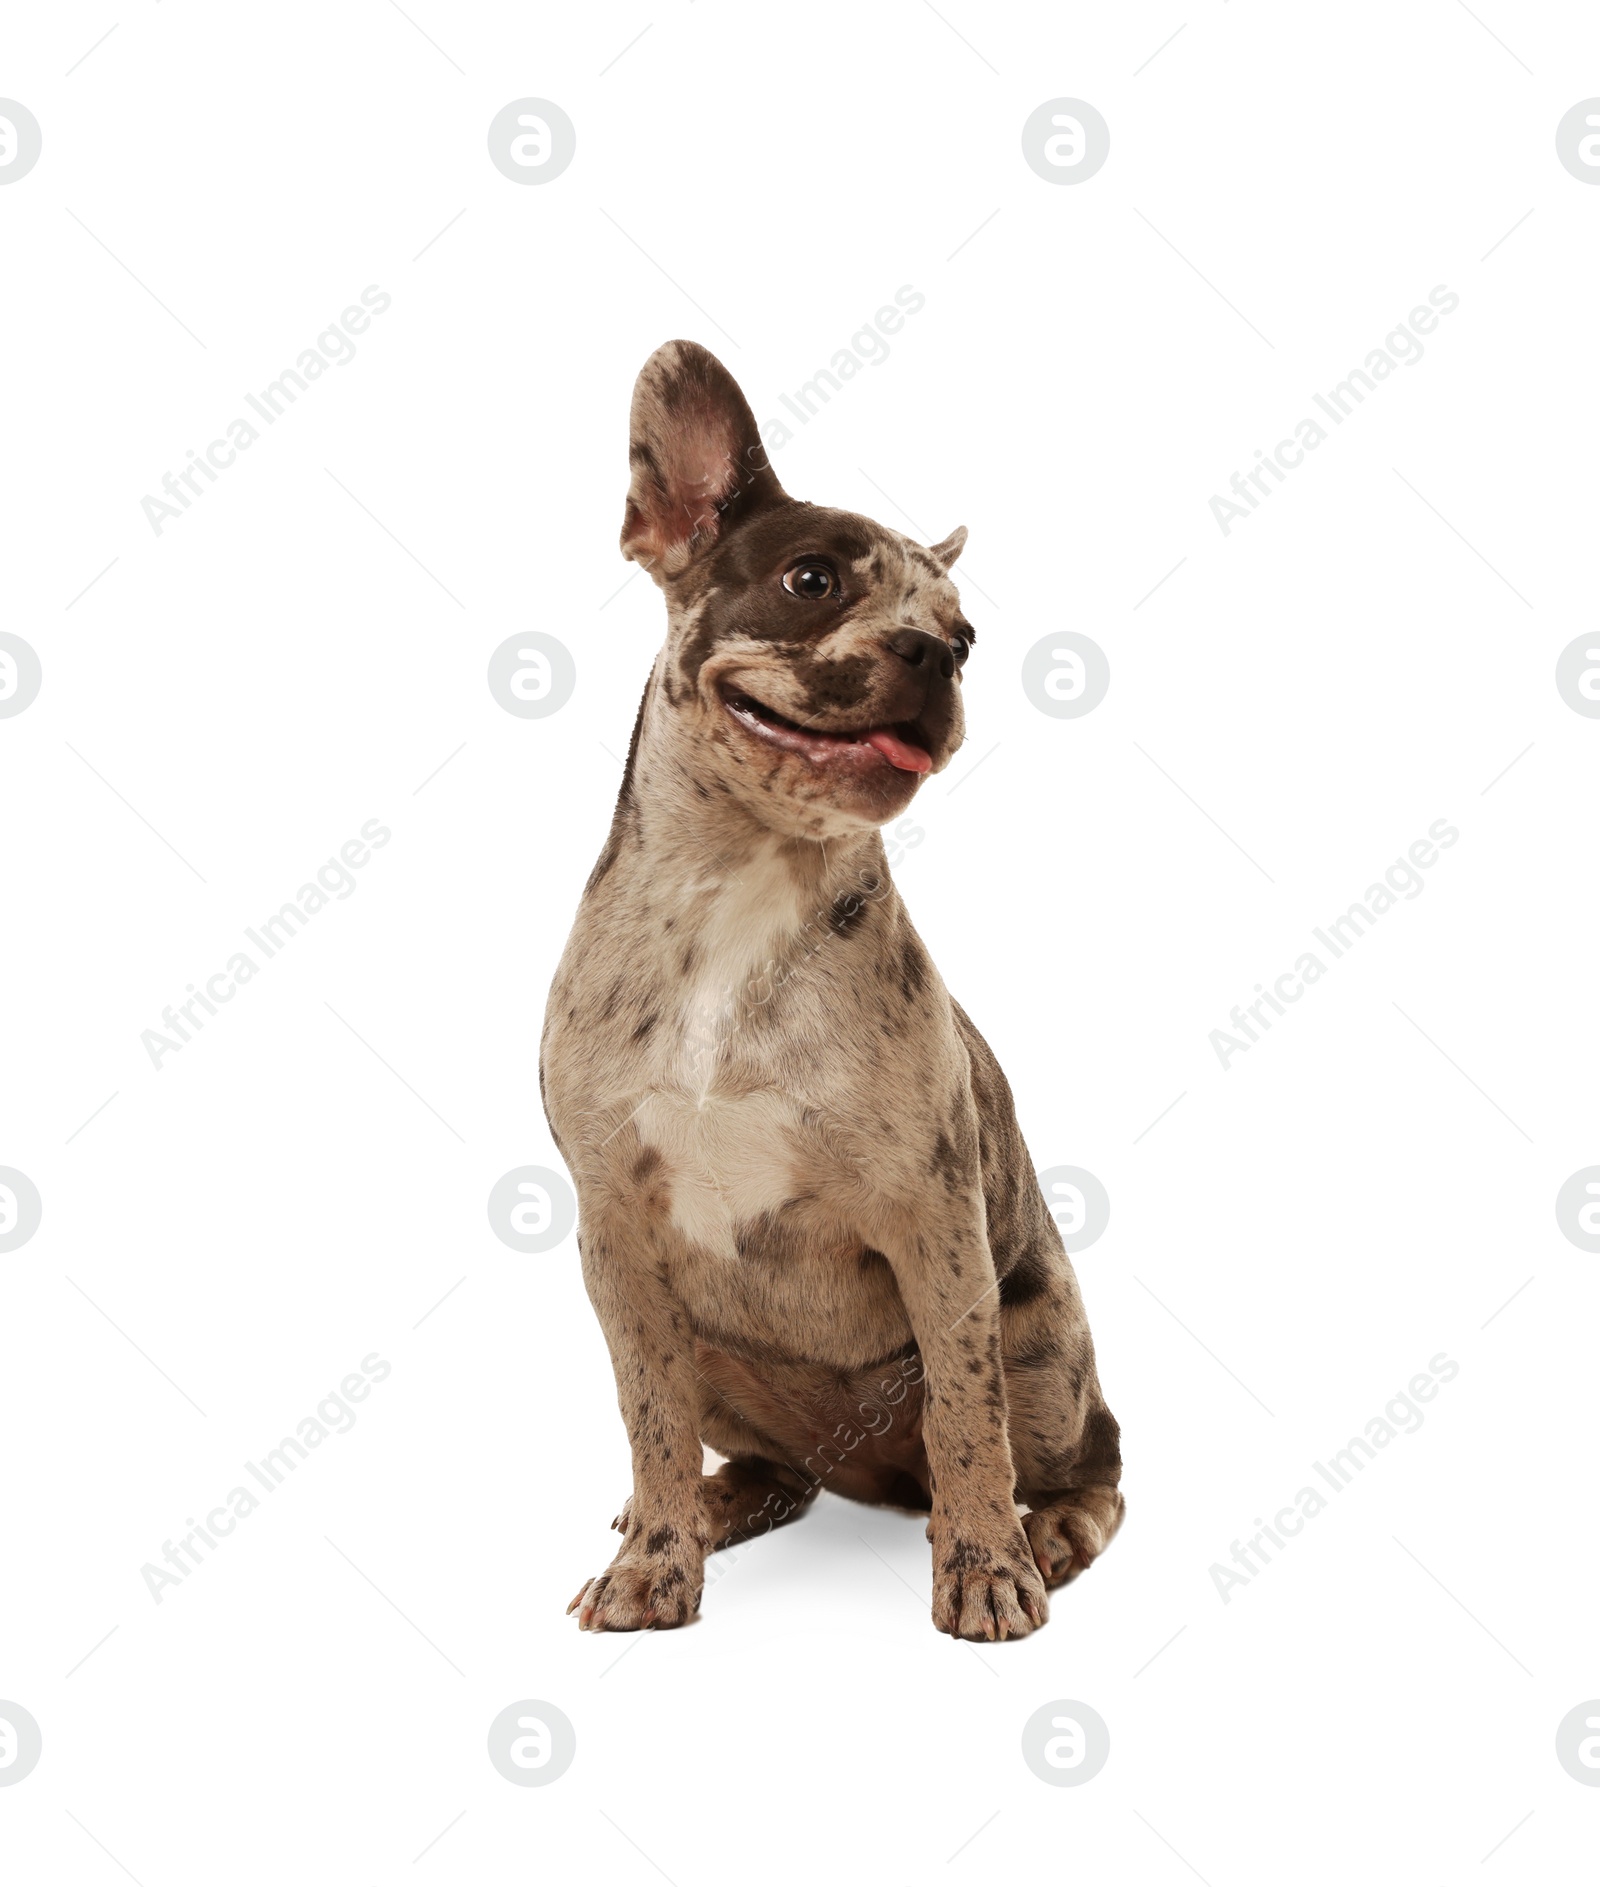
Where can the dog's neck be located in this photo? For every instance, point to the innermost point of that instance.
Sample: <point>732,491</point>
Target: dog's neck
<point>716,869</point>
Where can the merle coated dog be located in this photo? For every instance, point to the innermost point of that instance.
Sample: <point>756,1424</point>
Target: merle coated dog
<point>808,1221</point>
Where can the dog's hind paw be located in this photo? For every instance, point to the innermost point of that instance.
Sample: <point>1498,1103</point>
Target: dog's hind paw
<point>1069,1533</point>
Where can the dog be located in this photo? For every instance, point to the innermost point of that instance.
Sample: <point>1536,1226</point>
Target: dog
<point>808,1222</point>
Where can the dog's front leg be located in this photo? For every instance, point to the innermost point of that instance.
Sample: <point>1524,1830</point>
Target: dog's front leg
<point>985,1581</point>
<point>657,1575</point>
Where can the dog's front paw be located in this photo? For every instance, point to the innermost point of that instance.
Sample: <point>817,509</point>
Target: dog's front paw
<point>638,1592</point>
<point>981,1591</point>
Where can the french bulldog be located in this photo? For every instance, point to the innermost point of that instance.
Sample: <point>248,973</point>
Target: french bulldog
<point>808,1222</point>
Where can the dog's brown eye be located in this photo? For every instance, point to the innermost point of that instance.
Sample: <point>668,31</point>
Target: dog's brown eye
<point>960,647</point>
<point>811,580</point>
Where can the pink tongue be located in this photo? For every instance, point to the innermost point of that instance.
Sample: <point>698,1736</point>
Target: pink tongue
<point>899,753</point>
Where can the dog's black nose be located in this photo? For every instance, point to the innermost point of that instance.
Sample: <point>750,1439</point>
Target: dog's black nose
<point>916,647</point>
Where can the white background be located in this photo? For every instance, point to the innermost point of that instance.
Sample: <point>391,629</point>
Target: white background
<point>1299,1234</point>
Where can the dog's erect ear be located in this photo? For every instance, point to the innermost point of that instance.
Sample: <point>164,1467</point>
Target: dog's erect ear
<point>697,462</point>
<point>950,549</point>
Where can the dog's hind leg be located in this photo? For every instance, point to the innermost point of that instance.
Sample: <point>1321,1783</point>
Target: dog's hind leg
<point>750,1496</point>
<point>1064,1440</point>
<point>1064,1444</point>
<point>746,1497</point>
<point>762,1483</point>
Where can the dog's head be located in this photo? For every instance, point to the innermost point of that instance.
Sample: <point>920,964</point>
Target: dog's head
<point>813,657</point>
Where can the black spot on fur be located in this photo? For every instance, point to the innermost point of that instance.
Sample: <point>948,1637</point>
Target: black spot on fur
<point>967,1556</point>
<point>1099,1449</point>
<point>847,913</point>
<point>946,1161</point>
<point>913,972</point>
<point>1027,1279</point>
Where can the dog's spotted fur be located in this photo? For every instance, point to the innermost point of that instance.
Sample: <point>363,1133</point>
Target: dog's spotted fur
<point>808,1221</point>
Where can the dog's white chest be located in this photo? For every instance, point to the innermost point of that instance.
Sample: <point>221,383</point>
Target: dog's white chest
<point>747,923</point>
<point>727,1158</point>
<point>731,1150</point>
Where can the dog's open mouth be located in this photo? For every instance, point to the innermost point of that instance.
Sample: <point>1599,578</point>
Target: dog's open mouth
<point>903,745</point>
